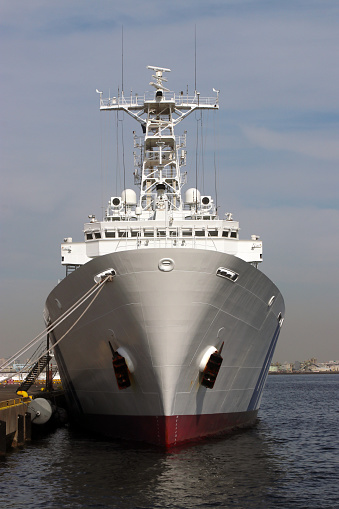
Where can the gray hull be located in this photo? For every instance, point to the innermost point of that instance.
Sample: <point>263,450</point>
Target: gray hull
<point>165,321</point>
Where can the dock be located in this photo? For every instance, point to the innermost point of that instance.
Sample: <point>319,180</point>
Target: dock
<point>15,420</point>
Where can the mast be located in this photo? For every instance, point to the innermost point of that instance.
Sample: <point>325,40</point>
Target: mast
<point>163,154</point>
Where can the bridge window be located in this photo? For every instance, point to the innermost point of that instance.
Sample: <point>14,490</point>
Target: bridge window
<point>225,233</point>
<point>149,233</point>
<point>123,233</point>
<point>89,236</point>
<point>199,233</point>
<point>110,235</point>
<point>97,235</point>
<point>234,235</point>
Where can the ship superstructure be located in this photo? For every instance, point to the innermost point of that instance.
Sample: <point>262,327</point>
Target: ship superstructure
<point>188,319</point>
<point>160,217</point>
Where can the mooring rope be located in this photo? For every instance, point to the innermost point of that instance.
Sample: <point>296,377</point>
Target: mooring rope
<point>57,322</point>
<point>77,320</point>
<point>45,351</point>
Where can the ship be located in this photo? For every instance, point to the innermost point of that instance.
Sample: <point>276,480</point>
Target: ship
<point>164,327</point>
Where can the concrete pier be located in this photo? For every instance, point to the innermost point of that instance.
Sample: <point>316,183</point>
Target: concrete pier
<point>15,420</point>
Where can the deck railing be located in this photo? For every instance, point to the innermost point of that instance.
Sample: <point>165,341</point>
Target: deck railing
<point>135,102</point>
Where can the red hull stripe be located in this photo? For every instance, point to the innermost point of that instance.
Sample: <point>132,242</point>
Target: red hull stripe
<point>167,430</point>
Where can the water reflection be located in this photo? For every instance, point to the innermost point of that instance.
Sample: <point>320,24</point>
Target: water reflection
<point>70,469</point>
<point>289,459</point>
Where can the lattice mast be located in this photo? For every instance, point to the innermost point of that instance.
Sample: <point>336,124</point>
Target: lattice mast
<point>162,154</point>
<point>161,168</point>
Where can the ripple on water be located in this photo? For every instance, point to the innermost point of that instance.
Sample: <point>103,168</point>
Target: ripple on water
<point>288,460</point>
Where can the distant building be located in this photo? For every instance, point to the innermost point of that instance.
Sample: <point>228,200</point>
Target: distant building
<point>296,366</point>
<point>286,367</point>
<point>333,365</point>
<point>309,366</point>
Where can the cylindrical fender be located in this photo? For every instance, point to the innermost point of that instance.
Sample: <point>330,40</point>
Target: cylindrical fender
<point>41,410</point>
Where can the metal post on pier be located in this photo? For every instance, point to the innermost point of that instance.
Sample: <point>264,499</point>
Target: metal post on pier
<point>49,378</point>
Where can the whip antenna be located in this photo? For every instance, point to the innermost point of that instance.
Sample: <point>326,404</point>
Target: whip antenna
<point>195,59</point>
<point>122,60</point>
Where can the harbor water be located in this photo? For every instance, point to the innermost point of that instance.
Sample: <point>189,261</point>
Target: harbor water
<point>290,459</point>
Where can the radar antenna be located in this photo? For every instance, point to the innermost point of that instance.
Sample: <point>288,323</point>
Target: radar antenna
<point>158,77</point>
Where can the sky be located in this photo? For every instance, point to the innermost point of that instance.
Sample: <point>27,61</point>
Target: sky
<point>275,139</point>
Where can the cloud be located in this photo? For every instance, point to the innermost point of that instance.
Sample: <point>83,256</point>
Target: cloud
<point>316,144</point>
<point>276,64</point>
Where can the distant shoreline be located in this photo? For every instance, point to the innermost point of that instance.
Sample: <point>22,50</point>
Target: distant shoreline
<point>303,373</point>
